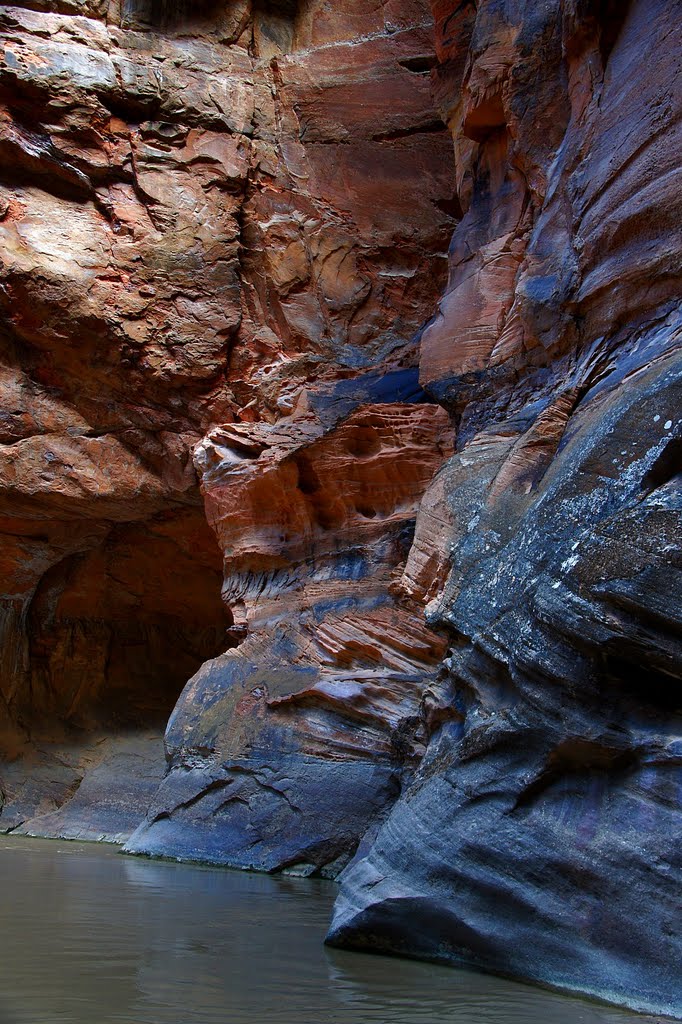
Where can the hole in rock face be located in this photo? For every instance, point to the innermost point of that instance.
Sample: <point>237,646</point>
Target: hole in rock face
<point>611,15</point>
<point>115,633</point>
<point>169,13</point>
<point>452,207</point>
<point>485,119</point>
<point>275,26</point>
<point>421,65</point>
<point>366,511</point>
<point>363,441</point>
<point>308,480</point>
<point>646,687</point>
<point>279,8</point>
<point>327,515</point>
<point>323,505</point>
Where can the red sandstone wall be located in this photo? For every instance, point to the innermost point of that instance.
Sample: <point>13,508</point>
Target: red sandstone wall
<point>206,218</point>
<point>412,395</point>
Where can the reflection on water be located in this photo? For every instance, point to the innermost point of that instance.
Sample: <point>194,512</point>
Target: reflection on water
<point>92,937</point>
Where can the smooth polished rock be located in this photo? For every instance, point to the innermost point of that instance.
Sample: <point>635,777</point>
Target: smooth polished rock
<point>540,835</point>
<point>401,504</point>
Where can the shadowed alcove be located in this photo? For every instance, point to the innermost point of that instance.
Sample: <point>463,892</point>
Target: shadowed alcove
<point>114,633</point>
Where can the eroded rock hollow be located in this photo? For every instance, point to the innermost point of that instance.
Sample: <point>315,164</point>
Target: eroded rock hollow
<point>340,376</point>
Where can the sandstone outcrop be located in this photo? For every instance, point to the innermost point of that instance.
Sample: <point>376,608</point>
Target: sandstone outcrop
<point>222,232</point>
<point>286,750</point>
<point>540,834</point>
<point>407,515</point>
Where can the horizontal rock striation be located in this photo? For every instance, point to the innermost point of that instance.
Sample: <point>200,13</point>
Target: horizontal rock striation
<point>285,751</point>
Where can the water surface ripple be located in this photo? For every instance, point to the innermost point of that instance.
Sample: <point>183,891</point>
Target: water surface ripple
<point>90,936</point>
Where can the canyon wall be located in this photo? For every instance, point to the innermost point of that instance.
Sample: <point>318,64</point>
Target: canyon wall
<point>223,228</point>
<point>540,836</point>
<point>340,366</point>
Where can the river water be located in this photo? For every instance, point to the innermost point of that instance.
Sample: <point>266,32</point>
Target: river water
<point>90,936</point>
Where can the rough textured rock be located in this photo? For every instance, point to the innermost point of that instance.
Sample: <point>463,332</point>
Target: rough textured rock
<point>94,789</point>
<point>285,751</point>
<point>540,836</point>
<point>223,226</point>
<point>235,350</point>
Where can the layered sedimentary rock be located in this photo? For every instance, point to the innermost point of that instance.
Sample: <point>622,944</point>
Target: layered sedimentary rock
<point>214,221</point>
<point>286,750</point>
<point>541,834</point>
<point>408,518</point>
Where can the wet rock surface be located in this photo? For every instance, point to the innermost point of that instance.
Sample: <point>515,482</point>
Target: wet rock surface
<point>407,515</point>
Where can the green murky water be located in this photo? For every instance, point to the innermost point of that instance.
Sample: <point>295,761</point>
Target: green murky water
<point>92,937</point>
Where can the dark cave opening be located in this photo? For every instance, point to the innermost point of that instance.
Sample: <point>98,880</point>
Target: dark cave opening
<point>281,8</point>
<point>646,687</point>
<point>115,632</point>
<point>666,467</point>
<point>169,13</point>
<point>611,15</point>
<point>93,661</point>
<point>172,14</point>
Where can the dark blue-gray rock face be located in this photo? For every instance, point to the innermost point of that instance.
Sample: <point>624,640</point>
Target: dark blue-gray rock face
<point>540,836</point>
